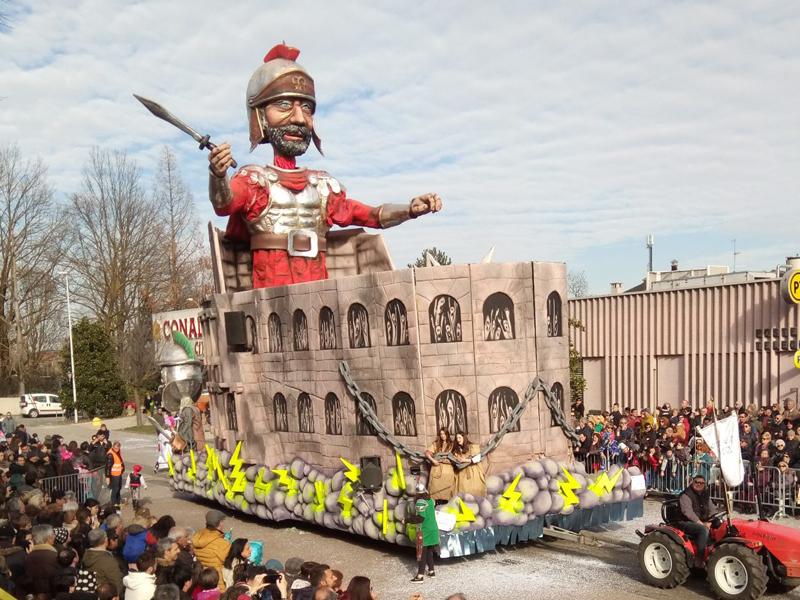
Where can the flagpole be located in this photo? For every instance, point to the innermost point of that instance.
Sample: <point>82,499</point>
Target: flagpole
<point>728,507</point>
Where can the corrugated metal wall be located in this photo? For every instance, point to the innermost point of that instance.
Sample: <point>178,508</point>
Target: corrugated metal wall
<point>713,332</point>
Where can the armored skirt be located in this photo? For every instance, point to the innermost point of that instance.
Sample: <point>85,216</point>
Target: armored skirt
<point>471,479</point>
<point>442,478</point>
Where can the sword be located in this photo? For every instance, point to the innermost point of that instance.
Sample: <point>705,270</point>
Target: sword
<point>162,113</point>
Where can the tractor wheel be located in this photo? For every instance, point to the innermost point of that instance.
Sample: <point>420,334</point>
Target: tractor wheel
<point>736,572</point>
<point>663,561</point>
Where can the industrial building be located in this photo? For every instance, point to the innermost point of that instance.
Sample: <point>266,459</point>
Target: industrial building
<point>693,334</point>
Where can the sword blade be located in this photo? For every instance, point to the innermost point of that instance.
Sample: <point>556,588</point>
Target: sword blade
<point>162,113</point>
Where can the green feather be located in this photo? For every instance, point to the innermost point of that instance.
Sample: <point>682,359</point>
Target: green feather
<point>184,343</point>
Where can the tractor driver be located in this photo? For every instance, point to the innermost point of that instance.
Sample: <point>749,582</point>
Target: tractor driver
<point>696,507</point>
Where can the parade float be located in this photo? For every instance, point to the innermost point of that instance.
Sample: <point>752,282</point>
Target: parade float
<point>330,372</point>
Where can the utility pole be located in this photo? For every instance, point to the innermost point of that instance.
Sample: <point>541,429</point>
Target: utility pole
<point>650,253</point>
<point>20,348</point>
<point>735,254</point>
<point>71,349</point>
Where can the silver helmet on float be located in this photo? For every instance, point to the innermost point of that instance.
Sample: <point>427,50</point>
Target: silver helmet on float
<point>279,77</point>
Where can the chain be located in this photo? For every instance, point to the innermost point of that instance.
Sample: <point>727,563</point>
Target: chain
<point>509,425</point>
<point>557,412</point>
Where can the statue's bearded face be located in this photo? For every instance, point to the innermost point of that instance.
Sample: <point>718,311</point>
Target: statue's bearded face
<point>290,122</point>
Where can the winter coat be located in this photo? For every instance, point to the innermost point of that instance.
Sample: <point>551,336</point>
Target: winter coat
<point>135,543</point>
<point>104,566</point>
<point>139,586</point>
<point>211,549</point>
<point>8,425</point>
<point>40,566</point>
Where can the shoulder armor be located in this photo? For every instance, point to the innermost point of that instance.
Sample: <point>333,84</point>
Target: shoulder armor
<point>257,174</point>
<point>325,183</point>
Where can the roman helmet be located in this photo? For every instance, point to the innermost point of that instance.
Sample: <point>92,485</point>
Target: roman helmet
<point>279,77</point>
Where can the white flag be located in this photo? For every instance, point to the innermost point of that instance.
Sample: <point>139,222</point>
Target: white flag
<point>723,439</point>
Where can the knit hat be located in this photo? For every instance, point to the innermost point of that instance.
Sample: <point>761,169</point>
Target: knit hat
<point>137,468</point>
<point>274,564</point>
<point>214,518</point>
<point>62,535</point>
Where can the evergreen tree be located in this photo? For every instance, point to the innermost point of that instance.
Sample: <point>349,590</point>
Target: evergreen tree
<point>100,389</point>
<point>438,255</point>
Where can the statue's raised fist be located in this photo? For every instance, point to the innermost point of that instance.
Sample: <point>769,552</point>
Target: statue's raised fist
<point>220,159</point>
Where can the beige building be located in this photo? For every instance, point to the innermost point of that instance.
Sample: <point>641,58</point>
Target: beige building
<point>695,335</point>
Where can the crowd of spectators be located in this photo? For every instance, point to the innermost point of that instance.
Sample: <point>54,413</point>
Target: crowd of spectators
<point>55,545</point>
<point>665,445</point>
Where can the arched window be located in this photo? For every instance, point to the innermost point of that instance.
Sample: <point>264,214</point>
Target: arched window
<point>451,412</point>
<point>327,329</point>
<point>404,415</point>
<point>358,326</point>
<point>396,322</point>
<point>498,318</point>
<point>557,391</point>
<point>280,412</point>
<point>300,330</point>
<point>554,315</point>
<point>274,333</point>
<point>305,413</point>
<point>230,411</point>
<point>362,425</point>
<point>444,315</point>
<point>333,415</point>
<point>501,403</point>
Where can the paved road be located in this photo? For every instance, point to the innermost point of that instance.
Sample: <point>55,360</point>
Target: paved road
<point>551,570</point>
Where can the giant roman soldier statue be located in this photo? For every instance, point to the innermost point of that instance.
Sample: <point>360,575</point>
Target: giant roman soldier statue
<point>285,211</point>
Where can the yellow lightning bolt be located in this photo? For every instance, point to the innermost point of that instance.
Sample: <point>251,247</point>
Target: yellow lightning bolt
<point>385,519</point>
<point>171,466</point>
<point>192,472</point>
<point>238,476</point>
<point>398,477</point>
<point>211,462</point>
<point>287,481</point>
<point>352,472</point>
<point>603,484</point>
<point>567,489</point>
<point>510,497</point>
<point>346,499</point>
<point>319,500</point>
<point>265,487</point>
<point>463,512</point>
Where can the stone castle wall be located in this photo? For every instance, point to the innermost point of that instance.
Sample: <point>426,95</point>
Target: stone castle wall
<point>422,343</point>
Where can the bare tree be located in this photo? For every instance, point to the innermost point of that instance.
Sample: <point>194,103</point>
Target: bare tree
<point>115,238</point>
<point>577,284</point>
<point>182,241</point>
<point>31,243</point>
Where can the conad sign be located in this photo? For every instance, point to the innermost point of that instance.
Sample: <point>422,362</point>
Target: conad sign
<point>185,321</point>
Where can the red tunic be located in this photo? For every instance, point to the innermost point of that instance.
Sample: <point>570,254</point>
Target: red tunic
<point>276,267</point>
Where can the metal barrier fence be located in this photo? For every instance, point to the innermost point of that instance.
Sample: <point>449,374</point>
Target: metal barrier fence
<point>84,485</point>
<point>778,488</point>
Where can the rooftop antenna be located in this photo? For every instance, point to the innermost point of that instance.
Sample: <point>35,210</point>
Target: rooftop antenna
<point>649,245</point>
<point>735,254</point>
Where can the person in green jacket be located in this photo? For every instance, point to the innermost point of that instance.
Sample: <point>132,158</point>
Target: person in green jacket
<point>428,531</point>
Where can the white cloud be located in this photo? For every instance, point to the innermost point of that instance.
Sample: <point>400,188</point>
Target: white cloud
<point>552,131</point>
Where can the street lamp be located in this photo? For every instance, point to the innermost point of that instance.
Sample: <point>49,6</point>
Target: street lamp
<point>71,348</point>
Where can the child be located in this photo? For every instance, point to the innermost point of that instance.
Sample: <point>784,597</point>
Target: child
<point>135,481</point>
<point>207,585</point>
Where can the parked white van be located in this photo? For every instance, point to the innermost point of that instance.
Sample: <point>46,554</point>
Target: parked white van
<point>34,405</point>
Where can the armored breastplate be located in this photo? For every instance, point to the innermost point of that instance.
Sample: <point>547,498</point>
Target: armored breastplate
<point>290,210</point>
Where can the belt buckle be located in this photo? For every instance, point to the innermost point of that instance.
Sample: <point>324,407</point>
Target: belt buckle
<point>313,243</point>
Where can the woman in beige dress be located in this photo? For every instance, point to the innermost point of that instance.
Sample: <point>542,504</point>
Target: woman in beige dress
<point>470,479</point>
<point>442,479</point>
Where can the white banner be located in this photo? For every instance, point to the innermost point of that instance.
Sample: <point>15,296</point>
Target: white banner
<point>186,321</point>
<point>723,439</point>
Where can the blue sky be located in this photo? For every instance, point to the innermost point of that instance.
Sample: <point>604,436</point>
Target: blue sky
<point>553,131</point>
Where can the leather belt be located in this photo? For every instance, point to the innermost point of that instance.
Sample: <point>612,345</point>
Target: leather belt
<point>298,242</point>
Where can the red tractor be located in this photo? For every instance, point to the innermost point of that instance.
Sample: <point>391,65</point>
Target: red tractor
<point>742,557</point>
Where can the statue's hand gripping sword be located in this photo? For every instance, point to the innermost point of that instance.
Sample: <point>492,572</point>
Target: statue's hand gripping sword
<point>163,113</point>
